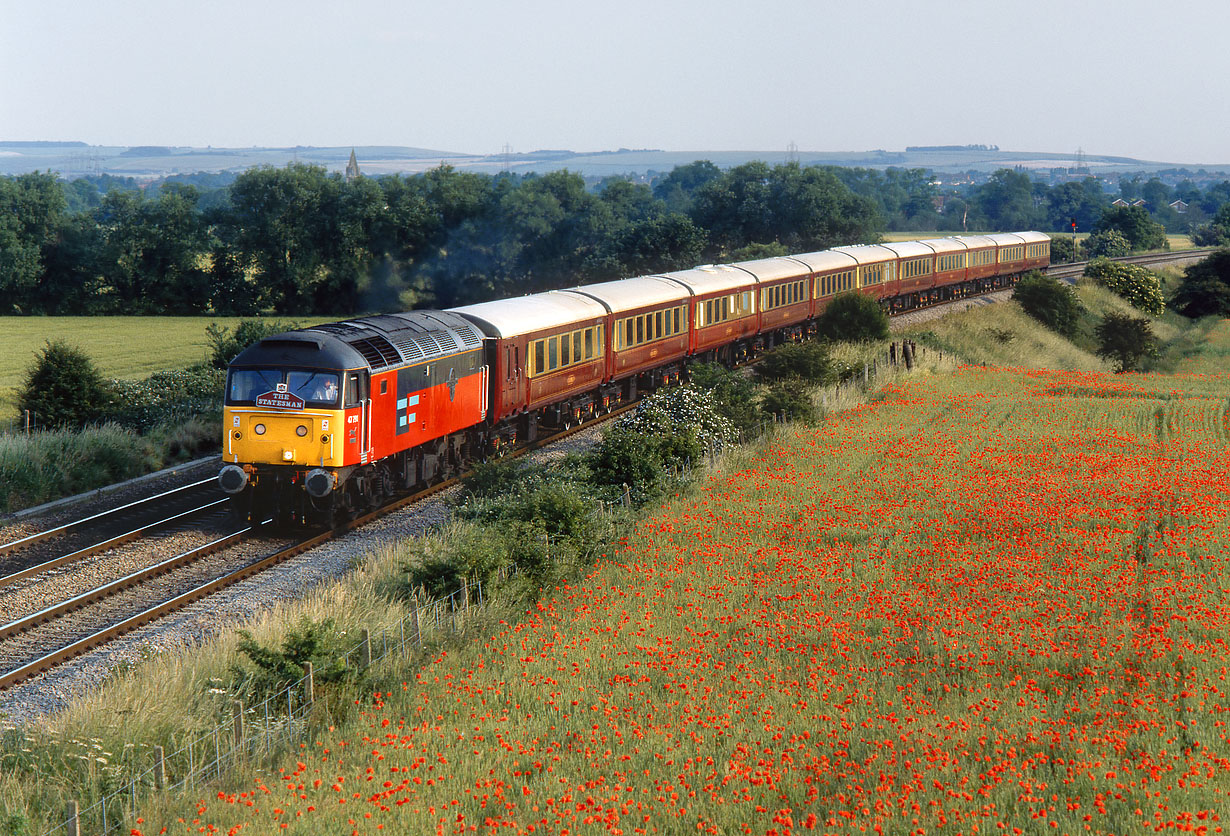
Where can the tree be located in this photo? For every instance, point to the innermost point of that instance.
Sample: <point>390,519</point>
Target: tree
<point>1063,251</point>
<point>1006,201</point>
<point>1049,301</point>
<point>853,317</point>
<point>1205,290</point>
<point>655,245</point>
<point>1217,232</point>
<point>276,223</point>
<point>678,188</point>
<point>63,389</point>
<point>1126,340</point>
<point>1082,201</point>
<point>802,208</point>
<point>1107,243</point>
<point>1141,231</point>
<point>31,211</point>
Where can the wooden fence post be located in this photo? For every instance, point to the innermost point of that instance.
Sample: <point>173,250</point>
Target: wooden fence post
<point>365,649</point>
<point>418,630</point>
<point>309,683</point>
<point>73,814</point>
<point>160,767</point>
<point>237,723</point>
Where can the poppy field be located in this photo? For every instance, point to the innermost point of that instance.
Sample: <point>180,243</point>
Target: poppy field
<point>994,601</point>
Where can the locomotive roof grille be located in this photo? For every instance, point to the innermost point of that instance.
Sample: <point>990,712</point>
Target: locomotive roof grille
<point>377,351</point>
<point>410,348</point>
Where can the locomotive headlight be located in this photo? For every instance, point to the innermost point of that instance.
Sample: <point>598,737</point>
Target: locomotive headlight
<point>301,431</point>
<point>259,429</point>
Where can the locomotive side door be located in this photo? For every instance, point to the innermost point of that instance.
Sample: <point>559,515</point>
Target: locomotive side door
<point>361,430</point>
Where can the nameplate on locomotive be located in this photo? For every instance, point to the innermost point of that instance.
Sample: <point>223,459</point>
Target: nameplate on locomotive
<point>280,400</point>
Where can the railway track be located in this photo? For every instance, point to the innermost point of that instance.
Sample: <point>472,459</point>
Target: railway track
<point>83,616</point>
<point>45,628</point>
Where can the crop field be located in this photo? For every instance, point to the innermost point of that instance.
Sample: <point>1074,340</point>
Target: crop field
<point>987,601</point>
<point>120,346</point>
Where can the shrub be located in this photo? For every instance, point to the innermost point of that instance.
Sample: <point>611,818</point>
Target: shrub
<point>671,428</point>
<point>318,642</point>
<point>853,317</point>
<point>806,361</point>
<point>1136,226</point>
<point>1049,301</point>
<point>1140,287</point>
<point>169,397</point>
<point>1063,251</point>
<point>63,389</point>
<point>1205,290</point>
<point>733,393</point>
<point>1126,340</point>
<point>1107,243</point>
<point>789,399</point>
<point>226,343</point>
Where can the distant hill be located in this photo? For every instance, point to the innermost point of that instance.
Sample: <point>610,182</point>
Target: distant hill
<point>73,159</point>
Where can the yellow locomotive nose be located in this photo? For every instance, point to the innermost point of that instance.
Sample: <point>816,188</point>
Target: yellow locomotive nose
<point>301,438</point>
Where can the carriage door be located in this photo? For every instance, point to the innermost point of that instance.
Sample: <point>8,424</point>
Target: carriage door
<point>514,377</point>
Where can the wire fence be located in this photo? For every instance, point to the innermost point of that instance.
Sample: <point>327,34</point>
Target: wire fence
<point>267,728</point>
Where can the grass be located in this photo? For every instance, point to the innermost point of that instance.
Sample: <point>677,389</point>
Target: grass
<point>128,347</point>
<point>987,597</point>
<point>980,596</point>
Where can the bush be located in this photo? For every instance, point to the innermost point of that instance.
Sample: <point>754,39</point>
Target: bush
<point>1136,226</point>
<point>317,642</point>
<point>63,389</point>
<point>853,317</point>
<point>1049,301</point>
<point>1107,243</point>
<point>1205,290</point>
<point>1063,251</point>
<point>671,428</point>
<point>733,393</point>
<point>1140,287</point>
<point>169,397</point>
<point>789,399</point>
<point>225,343</point>
<point>1126,340</point>
<point>806,361</point>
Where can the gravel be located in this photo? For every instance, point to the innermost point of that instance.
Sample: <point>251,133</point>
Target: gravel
<point>52,692</point>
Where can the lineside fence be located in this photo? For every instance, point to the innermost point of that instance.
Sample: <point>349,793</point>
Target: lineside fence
<point>267,728</point>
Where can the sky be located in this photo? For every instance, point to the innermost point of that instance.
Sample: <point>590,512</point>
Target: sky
<point>1134,78</point>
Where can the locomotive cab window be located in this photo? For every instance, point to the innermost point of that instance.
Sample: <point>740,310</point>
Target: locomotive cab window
<point>316,388</point>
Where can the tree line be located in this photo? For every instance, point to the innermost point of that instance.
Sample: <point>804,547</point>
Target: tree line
<point>299,240</point>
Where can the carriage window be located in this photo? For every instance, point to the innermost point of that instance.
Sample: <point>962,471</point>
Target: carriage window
<point>552,354</point>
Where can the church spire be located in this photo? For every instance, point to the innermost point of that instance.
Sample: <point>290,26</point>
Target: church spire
<point>352,167</point>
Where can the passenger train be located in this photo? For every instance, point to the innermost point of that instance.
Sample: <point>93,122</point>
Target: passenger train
<point>327,421</point>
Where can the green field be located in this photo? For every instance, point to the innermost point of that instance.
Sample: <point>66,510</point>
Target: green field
<point>130,347</point>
